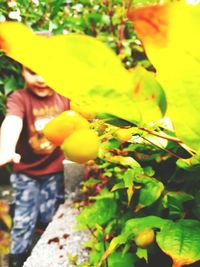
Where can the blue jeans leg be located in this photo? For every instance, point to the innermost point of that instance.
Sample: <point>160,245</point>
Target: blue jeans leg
<point>35,200</point>
<point>51,195</point>
<point>26,196</point>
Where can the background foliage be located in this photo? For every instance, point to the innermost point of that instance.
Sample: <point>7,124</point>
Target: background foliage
<point>134,185</point>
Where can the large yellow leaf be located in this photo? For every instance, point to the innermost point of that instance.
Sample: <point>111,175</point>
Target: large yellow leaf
<point>72,64</point>
<point>85,70</point>
<point>170,35</point>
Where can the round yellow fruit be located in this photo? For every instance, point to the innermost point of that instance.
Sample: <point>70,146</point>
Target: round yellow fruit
<point>145,238</point>
<point>63,125</point>
<point>81,146</point>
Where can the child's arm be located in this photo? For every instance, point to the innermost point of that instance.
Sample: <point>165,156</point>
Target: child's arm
<point>10,132</point>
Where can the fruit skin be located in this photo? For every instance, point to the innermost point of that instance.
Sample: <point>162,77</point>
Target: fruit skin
<point>63,126</point>
<point>81,146</point>
<point>123,135</point>
<point>145,238</point>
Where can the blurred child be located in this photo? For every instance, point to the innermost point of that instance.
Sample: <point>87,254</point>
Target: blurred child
<point>37,177</point>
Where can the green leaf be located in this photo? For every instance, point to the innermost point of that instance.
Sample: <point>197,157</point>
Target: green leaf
<point>142,253</point>
<point>174,202</point>
<point>110,144</point>
<point>91,181</point>
<point>148,171</point>
<point>100,212</point>
<point>114,244</point>
<point>55,8</point>
<point>105,194</point>
<point>135,226</point>
<point>118,260</point>
<point>179,196</point>
<point>10,85</point>
<point>126,248</point>
<point>128,182</point>
<point>149,193</point>
<point>132,228</point>
<point>126,161</point>
<point>118,186</point>
<point>180,241</point>
<point>94,18</point>
<point>128,178</point>
<point>96,253</point>
<point>191,164</point>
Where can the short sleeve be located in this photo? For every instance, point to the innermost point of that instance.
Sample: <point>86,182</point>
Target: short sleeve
<point>15,104</point>
<point>66,102</point>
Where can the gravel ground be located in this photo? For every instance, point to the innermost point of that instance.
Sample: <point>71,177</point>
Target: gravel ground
<point>60,245</point>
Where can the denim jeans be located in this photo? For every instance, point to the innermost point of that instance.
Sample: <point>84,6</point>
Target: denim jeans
<point>34,200</point>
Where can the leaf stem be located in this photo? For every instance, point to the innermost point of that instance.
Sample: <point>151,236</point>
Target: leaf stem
<point>163,149</point>
<point>165,136</point>
<point>104,246</point>
<point>91,231</point>
<point>171,138</point>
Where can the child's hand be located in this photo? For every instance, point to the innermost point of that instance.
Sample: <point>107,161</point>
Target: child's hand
<point>9,157</point>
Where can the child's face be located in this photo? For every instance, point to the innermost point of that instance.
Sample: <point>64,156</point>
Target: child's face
<point>36,84</point>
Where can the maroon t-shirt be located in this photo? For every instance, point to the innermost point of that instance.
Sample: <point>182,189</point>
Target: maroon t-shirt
<point>38,155</point>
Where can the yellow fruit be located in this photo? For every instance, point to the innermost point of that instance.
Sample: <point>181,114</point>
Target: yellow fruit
<point>123,135</point>
<point>145,238</point>
<point>63,125</point>
<point>81,146</point>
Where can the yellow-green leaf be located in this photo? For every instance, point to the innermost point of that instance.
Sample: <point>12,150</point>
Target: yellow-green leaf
<point>86,71</point>
<point>7,220</point>
<point>170,35</point>
<point>180,241</point>
<point>4,243</point>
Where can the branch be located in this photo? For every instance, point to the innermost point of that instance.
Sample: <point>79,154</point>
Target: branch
<point>104,246</point>
<point>91,231</point>
<point>171,138</point>
<point>165,136</point>
<point>163,149</point>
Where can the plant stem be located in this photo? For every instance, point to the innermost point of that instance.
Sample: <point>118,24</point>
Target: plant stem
<point>91,231</point>
<point>104,246</point>
<point>165,136</point>
<point>121,35</point>
<point>127,4</point>
<point>171,138</point>
<point>163,149</point>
